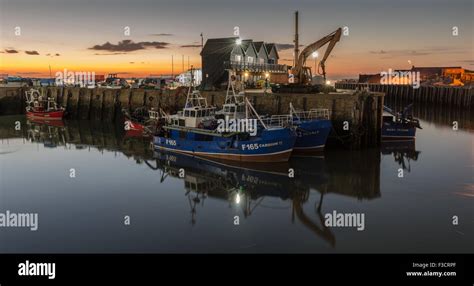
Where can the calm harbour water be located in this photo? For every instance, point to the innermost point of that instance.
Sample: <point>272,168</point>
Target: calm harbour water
<point>118,176</point>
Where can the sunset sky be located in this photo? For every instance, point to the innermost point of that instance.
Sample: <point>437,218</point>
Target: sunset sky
<point>89,35</point>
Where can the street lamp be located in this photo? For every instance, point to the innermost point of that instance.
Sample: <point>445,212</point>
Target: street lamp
<point>238,41</point>
<point>315,57</point>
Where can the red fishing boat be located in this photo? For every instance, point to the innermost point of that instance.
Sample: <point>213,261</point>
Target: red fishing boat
<point>39,106</point>
<point>141,122</point>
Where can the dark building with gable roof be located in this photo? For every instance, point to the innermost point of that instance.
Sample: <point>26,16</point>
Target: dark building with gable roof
<point>251,61</point>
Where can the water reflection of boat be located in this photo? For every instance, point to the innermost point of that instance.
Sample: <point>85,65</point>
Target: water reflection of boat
<point>403,152</point>
<point>244,186</point>
<point>51,135</point>
<point>55,123</point>
<point>268,180</point>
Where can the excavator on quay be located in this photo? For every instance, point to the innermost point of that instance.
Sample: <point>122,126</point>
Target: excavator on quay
<point>300,78</point>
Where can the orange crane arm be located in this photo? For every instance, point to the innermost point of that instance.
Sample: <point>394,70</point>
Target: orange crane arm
<point>332,39</point>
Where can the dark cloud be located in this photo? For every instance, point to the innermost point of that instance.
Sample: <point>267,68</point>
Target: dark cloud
<point>11,51</point>
<point>162,34</point>
<point>32,53</point>
<point>156,45</point>
<point>57,55</point>
<point>129,46</point>
<point>132,62</point>
<point>191,46</point>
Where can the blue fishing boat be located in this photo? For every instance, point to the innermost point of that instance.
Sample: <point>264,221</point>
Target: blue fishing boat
<point>195,130</point>
<point>312,129</point>
<point>399,126</point>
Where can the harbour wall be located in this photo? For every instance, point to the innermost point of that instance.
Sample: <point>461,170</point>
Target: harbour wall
<point>437,95</point>
<point>356,115</point>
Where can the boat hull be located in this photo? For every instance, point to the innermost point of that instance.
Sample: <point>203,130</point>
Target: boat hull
<point>398,131</point>
<point>47,115</point>
<point>134,129</point>
<point>273,145</point>
<point>311,137</point>
<point>134,126</point>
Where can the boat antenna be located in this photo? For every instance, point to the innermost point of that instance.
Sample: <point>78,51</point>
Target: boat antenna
<point>192,79</point>
<point>252,109</point>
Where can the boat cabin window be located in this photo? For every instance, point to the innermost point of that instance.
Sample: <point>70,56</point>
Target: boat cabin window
<point>229,109</point>
<point>240,108</point>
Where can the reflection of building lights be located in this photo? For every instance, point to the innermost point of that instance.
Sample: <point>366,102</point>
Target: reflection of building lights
<point>237,199</point>
<point>328,82</point>
<point>246,74</point>
<point>238,41</point>
<point>315,55</point>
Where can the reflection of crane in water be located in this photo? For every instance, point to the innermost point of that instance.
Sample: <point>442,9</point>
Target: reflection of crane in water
<point>322,231</point>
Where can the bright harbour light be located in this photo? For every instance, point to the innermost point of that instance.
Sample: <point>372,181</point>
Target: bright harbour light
<point>237,199</point>
<point>267,75</point>
<point>328,82</point>
<point>315,55</point>
<point>238,41</point>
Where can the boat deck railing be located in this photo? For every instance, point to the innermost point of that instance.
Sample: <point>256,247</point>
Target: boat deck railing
<point>283,120</point>
<point>202,131</point>
<point>315,113</point>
